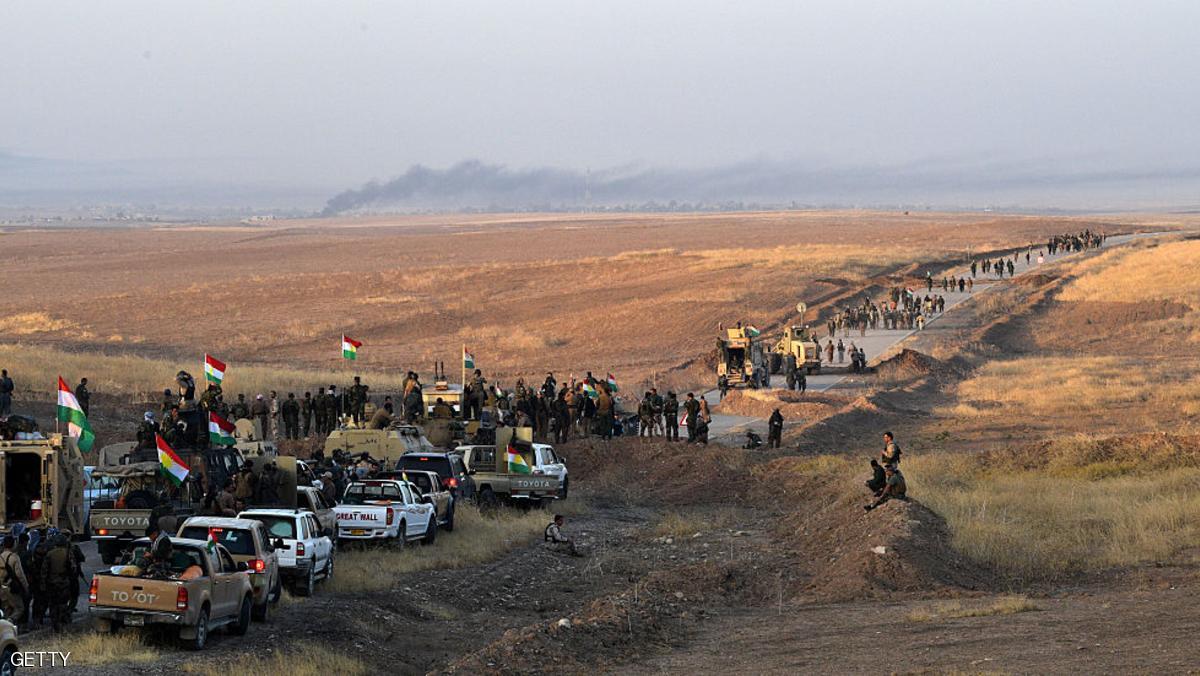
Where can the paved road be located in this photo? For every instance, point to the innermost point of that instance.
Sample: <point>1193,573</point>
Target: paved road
<point>881,344</point>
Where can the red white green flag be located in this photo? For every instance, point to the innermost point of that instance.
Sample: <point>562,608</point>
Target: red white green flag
<point>171,463</point>
<point>70,412</point>
<point>468,359</point>
<point>220,430</point>
<point>214,369</point>
<point>612,383</point>
<point>516,462</point>
<point>350,347</point>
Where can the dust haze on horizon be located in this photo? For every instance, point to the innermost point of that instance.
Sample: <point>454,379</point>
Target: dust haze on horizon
<point>367,106</point>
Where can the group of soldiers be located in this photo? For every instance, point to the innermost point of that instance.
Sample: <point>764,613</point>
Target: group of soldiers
<point>40,573</point>
<point>887,482</point>
<point>245,489</point>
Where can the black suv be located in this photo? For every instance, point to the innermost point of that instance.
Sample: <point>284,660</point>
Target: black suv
<point>449,467</point>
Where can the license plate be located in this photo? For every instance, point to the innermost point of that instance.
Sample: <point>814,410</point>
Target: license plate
<point>357,531</point>
<point>135,621</point>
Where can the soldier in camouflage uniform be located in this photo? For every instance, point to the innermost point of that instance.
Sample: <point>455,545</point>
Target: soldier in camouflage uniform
<point>331,410</point>
<point>240,409</point>
<point>58,572</point>
<point>306,412</point>
<point>318,409</point>
<point>290,410</point>
<point>358,400</point>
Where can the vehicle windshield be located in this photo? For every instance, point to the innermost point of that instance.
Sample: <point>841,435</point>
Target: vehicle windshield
<point>432,463</point>
<point>237,540</point>
<point>361,494</point>
<point>422,482</point>
<point>277,526</point>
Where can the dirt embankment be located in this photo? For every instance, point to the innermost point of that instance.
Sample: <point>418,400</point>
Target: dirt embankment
<point>792,405</point>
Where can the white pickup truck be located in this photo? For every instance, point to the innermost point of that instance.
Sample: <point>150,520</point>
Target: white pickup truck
<point>384,510</point>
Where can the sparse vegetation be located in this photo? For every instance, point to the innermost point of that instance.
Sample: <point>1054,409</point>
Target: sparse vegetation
<point>476,539</point>
<point>948,610</point>
<point>92,649</point>
<point>678,524</point>
<point>294,659</point>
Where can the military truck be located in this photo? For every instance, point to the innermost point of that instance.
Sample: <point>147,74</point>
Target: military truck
<point>739,354</point>
<point>800,342</point>
<point>388,444</point>
<point>147,494</point>
<point>43,481</point>
<point>495,483</point>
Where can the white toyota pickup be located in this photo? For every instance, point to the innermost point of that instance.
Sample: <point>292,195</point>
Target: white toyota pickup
<point>384,510</point>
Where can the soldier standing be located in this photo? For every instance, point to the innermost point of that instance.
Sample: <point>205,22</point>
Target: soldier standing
<point>274,406</point>
<point>692,409</point>
<point>318,410</point>
<point>169,401</point>
<point>339,407</point>
<point>291,416</point>
<point>657,400</point>
<point>13,585</point>
<point>841,350</point>
<point>646,417</point>
<point>306,412</point>
<point>671,416</point>
<point>240,408</point>
<point>83,396</point>
<point>261,414</point>
<point>331,409</point>
<point>6,392</point>
<point>775,429</point>
<point>801,381</point>
<point>58,573</point>
<point>358,399</point>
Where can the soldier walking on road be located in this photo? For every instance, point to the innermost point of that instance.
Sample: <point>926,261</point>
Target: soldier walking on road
<point>671,416</point>
<point>841,350</point>
<point>775,429</point>
<point>829,351</point>
<point>801,381</point>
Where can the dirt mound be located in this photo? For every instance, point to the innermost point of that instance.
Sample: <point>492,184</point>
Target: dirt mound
<point>849,553</point>
<point>629,471</point>
<point>1036,280</point>
<point>856,425</point>
<point>912,364</point>
<point>810,406</point>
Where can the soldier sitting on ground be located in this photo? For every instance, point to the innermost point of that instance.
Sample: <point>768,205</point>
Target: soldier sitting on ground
<point>894,488</point>
<point>878,478</point>
<point>556,540</point>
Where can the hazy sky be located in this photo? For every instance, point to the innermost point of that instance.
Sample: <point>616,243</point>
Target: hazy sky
<point>328,94</point>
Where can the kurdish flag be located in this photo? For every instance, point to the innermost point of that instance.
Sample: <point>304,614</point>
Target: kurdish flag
<point>468,359</point>
<point>516,463</point>
<point>211,545</point>
<point>589,390</point>
<point>350,347</point>
<point>71,413</point>
<point>214,369</point>
<point>172,466</point>
<point>220,430</point>
<point>612,383</point>
<point>752,332</point>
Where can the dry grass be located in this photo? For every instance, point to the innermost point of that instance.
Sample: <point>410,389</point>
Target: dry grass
<point>1051,387</point>
<point>36,369</point>
<point>91,649</point>
<point>1037,523</point>
<point>476,539</point>
<point>677,524</point>
<point>294,659</point>
<point>947,610</point>
<point>1150,272</point>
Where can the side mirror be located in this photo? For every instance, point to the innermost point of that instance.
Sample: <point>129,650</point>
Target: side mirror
<point>242,567</point>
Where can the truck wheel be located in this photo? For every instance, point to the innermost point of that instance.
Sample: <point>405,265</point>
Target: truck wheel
<point>566,485</point>
<point>260,613</point>
<point>200,638</point>
<point>430,532</point>
<point>8,668</point>
<point>305,587</point>
<point>401,539</point>
<point>488,500</point>
<point>243,623</point>
<point>328,569</point>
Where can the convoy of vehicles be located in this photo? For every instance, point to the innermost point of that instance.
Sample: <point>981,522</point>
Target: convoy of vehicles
<point>247,542</point>
<point>206,589</point>
<point>386,510</point>
<point>307,552</point>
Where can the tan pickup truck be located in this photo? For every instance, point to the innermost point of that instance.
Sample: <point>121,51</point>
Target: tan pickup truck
<point>206,590</point>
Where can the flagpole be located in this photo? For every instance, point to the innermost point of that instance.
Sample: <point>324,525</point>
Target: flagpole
<point>463,360</point>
